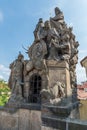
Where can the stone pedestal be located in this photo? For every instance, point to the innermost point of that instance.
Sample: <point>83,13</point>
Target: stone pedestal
<point>59,71</point>
<point>59,117</point>
<point>21,119</point>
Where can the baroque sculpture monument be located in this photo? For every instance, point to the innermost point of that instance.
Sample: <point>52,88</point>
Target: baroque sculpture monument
<point>48,78</point>
<point>44,87</point>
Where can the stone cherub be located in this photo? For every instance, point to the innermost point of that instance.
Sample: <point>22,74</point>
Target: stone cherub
<point>54,94</point>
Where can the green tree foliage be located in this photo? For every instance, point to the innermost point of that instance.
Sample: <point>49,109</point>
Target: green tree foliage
<point>4,92</point>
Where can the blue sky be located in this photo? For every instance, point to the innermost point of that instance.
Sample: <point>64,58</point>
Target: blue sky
<point>18,20</point>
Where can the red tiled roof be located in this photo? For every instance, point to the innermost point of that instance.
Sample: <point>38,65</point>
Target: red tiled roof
<point>84,85</point>
<point>80,91</point>
<point>81,94</point>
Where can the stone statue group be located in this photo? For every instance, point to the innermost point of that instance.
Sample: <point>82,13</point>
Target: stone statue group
<point>53,41</point>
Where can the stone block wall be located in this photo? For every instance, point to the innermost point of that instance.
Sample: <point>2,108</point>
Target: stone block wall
<point>23,119</point>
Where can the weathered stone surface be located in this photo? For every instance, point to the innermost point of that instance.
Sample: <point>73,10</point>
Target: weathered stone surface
<point>36,120</point>
<point>54,94</point>
<point>23,119</point>
<point>60,73</point>
<point>61,64</point>
<point>29,120</point>
<point>8,121</point>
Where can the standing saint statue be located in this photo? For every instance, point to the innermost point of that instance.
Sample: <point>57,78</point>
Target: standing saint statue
<point>16,78</point>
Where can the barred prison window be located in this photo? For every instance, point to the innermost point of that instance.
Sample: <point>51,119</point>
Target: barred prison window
<point>35,88</point>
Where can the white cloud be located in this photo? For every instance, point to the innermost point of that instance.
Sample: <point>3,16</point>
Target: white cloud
<point>1,17</point>
<point>1,77</point>
<point>3,68</point>
<point>4,72</point>
<point>81,74</point>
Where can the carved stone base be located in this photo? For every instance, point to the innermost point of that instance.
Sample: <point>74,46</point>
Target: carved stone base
<point>59,71</point>
<point>61,110</point>
<point>55,117</point>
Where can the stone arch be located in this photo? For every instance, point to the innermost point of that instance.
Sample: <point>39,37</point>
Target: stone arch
<point>44,84</point>
<point>35,88</point>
